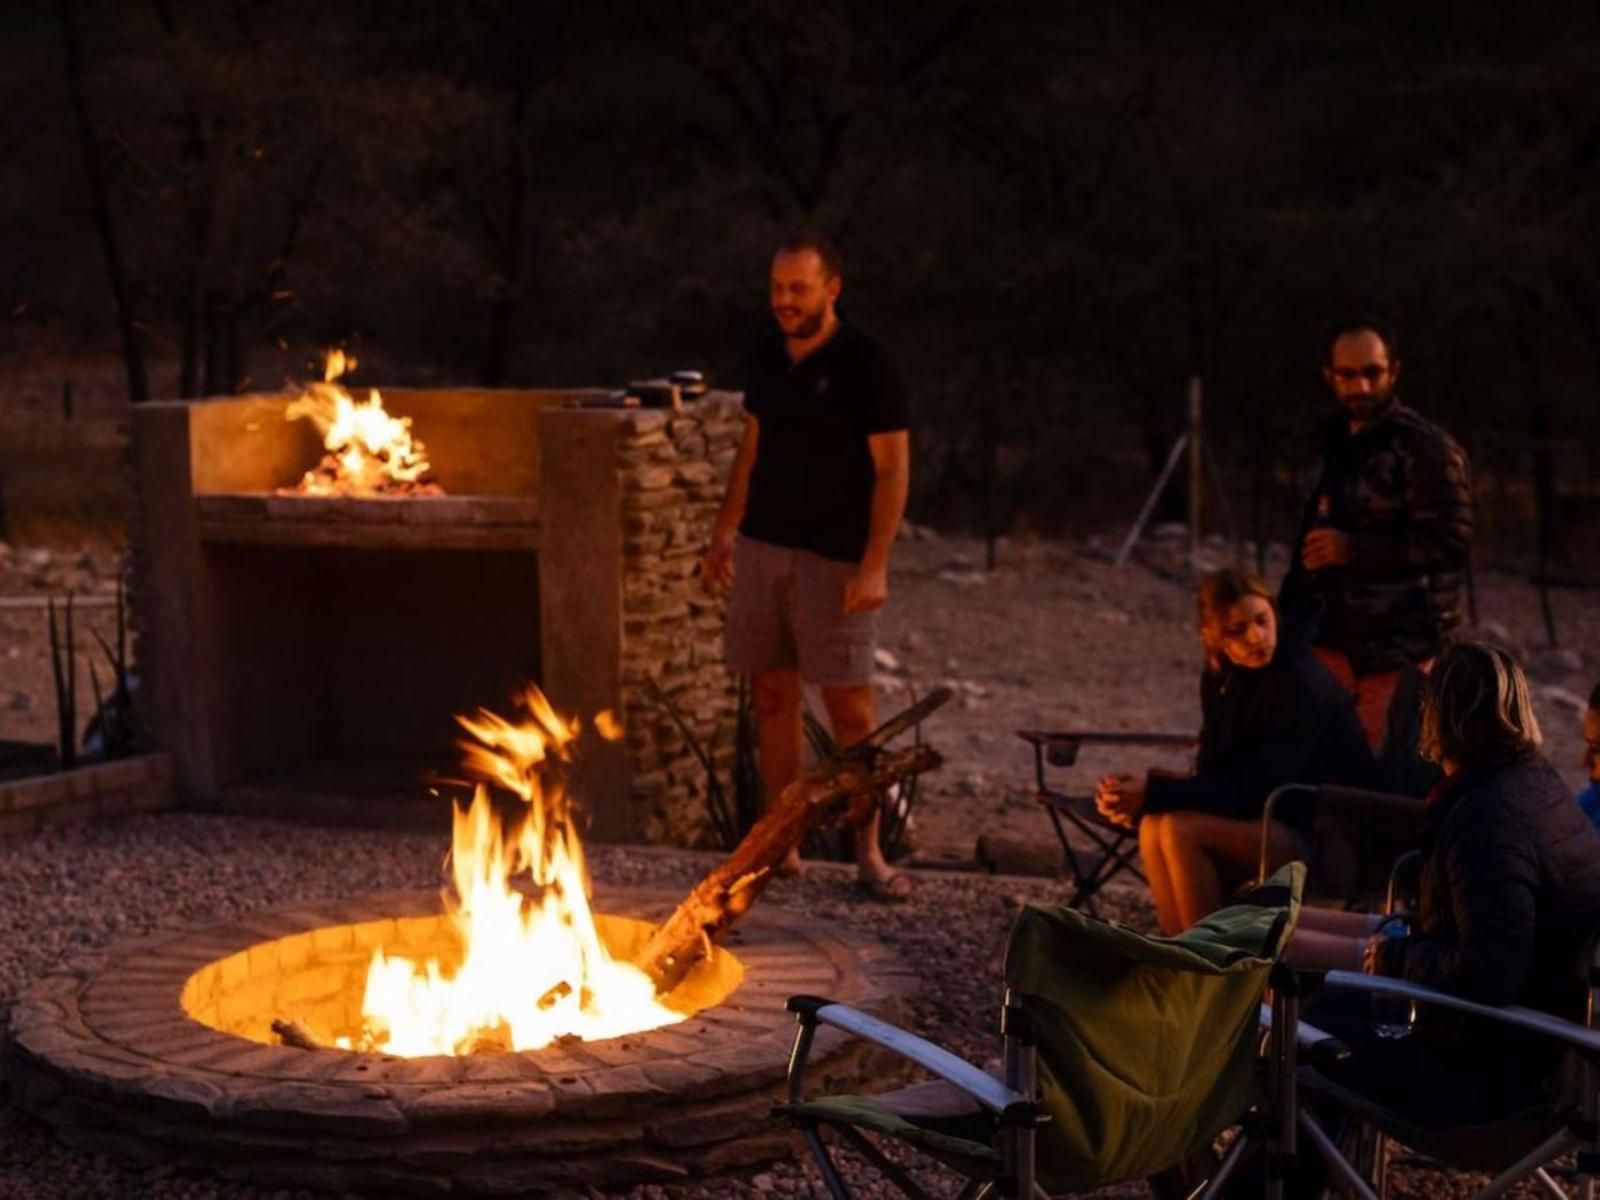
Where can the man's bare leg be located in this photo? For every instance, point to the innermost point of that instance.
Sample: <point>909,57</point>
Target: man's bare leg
<point>853,713</point>
<point>775,697</point>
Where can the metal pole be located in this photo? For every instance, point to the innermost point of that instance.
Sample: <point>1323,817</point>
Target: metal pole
<point>1150,501</point>
<point>1196,467</point>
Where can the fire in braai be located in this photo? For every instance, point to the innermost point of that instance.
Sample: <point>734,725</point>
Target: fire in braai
<point>369,452</point>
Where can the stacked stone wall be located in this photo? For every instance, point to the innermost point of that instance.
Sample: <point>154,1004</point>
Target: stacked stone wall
<point>674,468</point>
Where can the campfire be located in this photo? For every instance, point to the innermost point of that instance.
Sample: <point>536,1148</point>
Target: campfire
<point>369,452</point>
<point>520,960</point>
<point>533,967</point>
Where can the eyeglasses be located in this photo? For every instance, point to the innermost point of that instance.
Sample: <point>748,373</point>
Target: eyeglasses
<point>1372,372</point>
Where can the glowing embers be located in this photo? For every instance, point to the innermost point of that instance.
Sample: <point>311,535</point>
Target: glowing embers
<point>369,452</point>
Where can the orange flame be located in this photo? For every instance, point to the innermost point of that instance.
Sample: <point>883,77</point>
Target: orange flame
<point>535,968</point>
<point>369,452</point>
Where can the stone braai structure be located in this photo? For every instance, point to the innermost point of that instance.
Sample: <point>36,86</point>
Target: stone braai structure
<point>304,656</point>
<point>127,1053</point>
<point>675,469</point>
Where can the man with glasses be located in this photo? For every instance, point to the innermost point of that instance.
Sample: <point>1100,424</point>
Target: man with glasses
<point>1383,544</point>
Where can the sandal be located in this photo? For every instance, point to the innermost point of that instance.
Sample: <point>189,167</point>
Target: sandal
<point>896,889</point>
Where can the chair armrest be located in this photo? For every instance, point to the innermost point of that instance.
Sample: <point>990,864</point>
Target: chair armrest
<point>981,1086</point>
<point>1318,1043</point>
<point>1579,1037</point>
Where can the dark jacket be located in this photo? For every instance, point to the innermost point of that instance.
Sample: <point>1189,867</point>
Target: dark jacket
<point>1510,891</point>
<point>1509,897</point>
<point>1289,722</point>
<point>1400,488</point>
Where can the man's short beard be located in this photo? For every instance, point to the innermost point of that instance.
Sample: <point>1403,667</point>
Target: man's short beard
<point>809,325</point>
<point>1364,408</point>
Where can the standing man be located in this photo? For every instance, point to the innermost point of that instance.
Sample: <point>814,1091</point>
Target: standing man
<point>802,542</point>
<point>1383,543</point>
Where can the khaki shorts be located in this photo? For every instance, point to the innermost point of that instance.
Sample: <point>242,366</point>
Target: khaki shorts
<point>786,610</point>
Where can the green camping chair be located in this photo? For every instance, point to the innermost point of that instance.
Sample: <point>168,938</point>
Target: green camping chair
<point>1124,1056</point>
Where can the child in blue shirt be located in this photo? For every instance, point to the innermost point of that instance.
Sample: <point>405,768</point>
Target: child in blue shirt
<point>1589,798</point>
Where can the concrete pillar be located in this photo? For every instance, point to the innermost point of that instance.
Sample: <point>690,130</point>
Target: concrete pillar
<point>173,602</point>
<point>580,599</point>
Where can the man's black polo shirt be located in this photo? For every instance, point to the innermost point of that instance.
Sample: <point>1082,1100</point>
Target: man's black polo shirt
<point>811,488</point>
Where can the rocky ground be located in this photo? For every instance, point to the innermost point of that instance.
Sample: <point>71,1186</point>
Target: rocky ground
<point>1055,636</point>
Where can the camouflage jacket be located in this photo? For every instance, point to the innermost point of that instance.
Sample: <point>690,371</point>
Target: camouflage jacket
<point>1401,489</point>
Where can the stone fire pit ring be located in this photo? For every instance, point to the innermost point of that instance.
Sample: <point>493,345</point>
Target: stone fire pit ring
<point>104,1052</point>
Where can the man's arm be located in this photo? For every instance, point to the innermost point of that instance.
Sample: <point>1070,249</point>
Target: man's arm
<point>1438,497</point>
<point>891,464</point>
<point>1438,530</point>
<point>717,566</point>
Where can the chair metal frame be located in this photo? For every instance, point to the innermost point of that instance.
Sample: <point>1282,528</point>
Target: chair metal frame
<point>1581,1133</point>
<point>1399,808</point>
<point>1117,845</point>
<point>1012,1098</point>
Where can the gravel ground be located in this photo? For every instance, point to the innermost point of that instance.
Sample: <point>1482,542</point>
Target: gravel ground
<point>73,891</point>
<point>1055,636</point>
<point>77,890</point>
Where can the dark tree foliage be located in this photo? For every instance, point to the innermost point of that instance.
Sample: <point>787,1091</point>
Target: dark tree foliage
<point>1055,213</point>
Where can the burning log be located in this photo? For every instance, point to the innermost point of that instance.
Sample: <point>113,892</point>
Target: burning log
<point>843,788</point>
<point>297,1034</point>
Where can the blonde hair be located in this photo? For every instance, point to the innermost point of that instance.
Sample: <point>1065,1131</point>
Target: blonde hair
<point>1218,592</point>
<point>1476,707</point>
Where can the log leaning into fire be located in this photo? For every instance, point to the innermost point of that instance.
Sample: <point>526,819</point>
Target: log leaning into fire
<point>844,788</point>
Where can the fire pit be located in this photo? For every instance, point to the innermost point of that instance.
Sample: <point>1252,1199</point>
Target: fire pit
<point>155,1053</point>
<point>513,1033</point>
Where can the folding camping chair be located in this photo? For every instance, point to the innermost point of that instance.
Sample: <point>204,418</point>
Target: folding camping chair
<point>1357,837</point>
<point>1124,1057</point>
<point>1523,1145</point>
<point>1117,846</point>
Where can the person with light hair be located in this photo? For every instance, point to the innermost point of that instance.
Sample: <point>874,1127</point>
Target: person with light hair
<point>1508,904</point>
<point>1270,714</point>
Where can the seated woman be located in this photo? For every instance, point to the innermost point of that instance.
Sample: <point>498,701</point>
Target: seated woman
<point>1271,714</point>
<point>1509,901</point>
